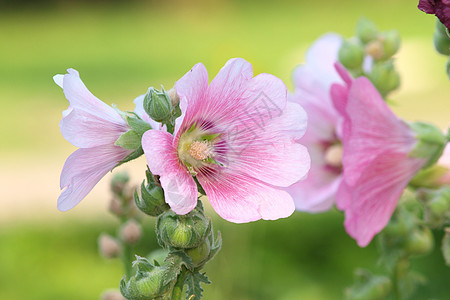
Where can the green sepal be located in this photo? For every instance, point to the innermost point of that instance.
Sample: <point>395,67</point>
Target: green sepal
<point>216,244</point>
<point>428,178</point>
<point>430,142</point>
<point>129,140</point>
<point>194,288</point>
<point>174,263</point>
<point>138,125</point>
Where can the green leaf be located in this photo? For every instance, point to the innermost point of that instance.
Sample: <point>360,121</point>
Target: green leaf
<point>174,261</point>
<point>129,140</point>
<point>194,288</point>
<point>135,154</point>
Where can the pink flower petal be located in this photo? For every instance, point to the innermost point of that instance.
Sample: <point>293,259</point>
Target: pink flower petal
<point>374,129</point>
<point>180,189</point>
<point>239,198</point>
<point>83,129</point>
<point>83,170</point>
<point>369,203</point>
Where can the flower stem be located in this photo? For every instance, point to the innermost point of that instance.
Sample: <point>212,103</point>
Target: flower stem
<point>126,259</point>
<point>178,288</point>
<point>396,274</point>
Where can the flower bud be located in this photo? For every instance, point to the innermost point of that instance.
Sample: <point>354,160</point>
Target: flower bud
<point>184,232</point>
<point>441,39</point>
<point>384,77</point>
<point>112,295</point>
<point>375,49</point>
<point>130,232</point>
<point>115,207</point>
<point>351,54</point>
<point>366,30</point>
<point>148,283</point>
<point>437,206</point>
<point>158,104</point>
<point>151,201</point>
<point>108,246</point>
<point>430,142</point>
<point>420,241</point>
<point>446,246</point>
<point>391,43</point>
<point>118,182</point>
<point>200,254</point>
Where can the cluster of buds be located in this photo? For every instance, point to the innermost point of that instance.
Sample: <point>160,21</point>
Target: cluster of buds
<point>189,243</point>
<point>370,53</point>
<point>121,204</point>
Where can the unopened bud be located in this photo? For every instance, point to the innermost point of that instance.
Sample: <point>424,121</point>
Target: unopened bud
<point>430,142</point>
<point>200,254</point>
<point>131,232</point>
<point>152,200</point>
<point>366,30</point>
<point>420,241</point>
<point>157,104</point>
<point>384,77</point>
<point>351,54</point>
<point>391,43</point>
<point>184,232</point>
<point>112,295</point>
<point>108,246</point>
<point>118,182</point>
<point>441,39</point>
<point>148,283</point>
<point>115,207</point>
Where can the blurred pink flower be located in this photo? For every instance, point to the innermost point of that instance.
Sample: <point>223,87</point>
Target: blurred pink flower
<point>94,127</point>
<point>237,136</point>
<point>376,160</point>
<point>440,8</point>
<point>322,138</point>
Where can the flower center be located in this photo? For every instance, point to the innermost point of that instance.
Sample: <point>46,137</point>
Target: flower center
<point>200,150</point>
<point>333,155</point>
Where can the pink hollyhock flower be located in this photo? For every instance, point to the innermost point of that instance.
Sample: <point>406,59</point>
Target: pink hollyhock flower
<point>376,157</point>
<point>237,136</point>
<point>440,8</point>
<point>313,81</point>
<point>94,127</point>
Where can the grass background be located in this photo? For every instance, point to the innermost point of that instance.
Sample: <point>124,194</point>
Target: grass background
<point>122,47</point>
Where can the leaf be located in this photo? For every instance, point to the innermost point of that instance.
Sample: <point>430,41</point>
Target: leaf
<point>175,260</point>
<point>217,244</point>
<point>139,151</point>
<point>194,288</point>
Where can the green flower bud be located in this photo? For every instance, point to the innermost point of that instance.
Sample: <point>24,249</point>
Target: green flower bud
<point>158,105</point>
<point>391,43</point>
<point>351,54</point>
<point>366,30</point>
<point>200,254</point>
<point>446,246</point>
<point>437,206</point>
<point>431,142</point>
<point>151,201</point>
<point>384,77</point>
<point>441,43</point>
<point>148,283</point>
<point>182,232</point>
<point>420,241</point>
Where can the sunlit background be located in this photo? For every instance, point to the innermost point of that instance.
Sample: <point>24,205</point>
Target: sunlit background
<point>120,49</point>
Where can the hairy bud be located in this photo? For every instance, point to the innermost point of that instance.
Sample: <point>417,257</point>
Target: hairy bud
<point>131,232</point>
<point>108,246</point>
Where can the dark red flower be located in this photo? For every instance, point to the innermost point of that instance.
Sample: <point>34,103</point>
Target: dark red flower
<point>440,8</point>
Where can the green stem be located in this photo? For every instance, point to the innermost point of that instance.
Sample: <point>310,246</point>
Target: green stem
<point>397,273</point>
<point>178,287</point>
<point>127,260</point>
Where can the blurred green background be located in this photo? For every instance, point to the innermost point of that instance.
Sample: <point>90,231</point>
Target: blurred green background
<point>122,47</point>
